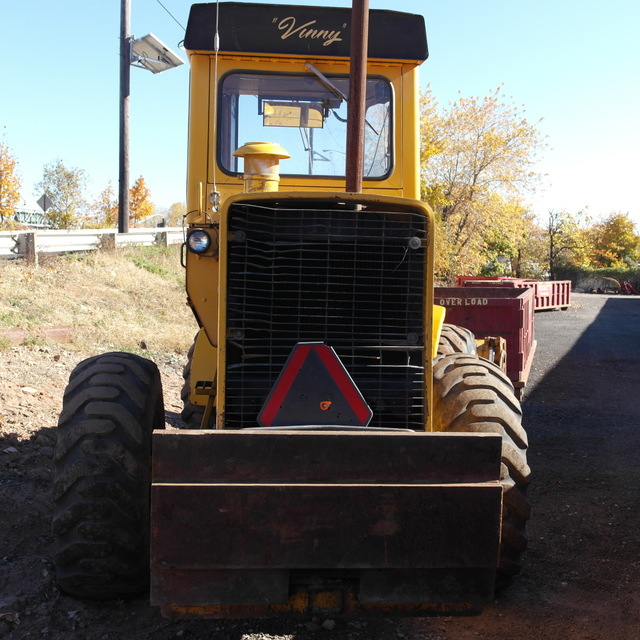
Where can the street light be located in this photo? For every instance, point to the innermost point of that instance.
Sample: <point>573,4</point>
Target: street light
<point>147,53</point>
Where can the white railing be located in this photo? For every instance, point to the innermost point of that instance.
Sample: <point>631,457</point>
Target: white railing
<point>28,244</point>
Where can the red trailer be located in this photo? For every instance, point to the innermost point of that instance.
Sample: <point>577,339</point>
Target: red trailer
<point>553,294</point>
<point>505,312</point>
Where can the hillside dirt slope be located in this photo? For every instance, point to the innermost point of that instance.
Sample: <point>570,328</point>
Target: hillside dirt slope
<point>581,578</point>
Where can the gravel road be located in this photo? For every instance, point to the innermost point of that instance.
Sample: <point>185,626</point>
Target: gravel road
<point>581,578</point>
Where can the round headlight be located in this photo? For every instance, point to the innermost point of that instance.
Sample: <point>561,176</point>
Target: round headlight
<point>198,241</point>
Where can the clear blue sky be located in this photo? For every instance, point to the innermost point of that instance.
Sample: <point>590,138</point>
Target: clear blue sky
<point>573,63</point>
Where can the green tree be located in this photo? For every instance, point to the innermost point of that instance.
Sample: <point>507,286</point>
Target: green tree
<point>10,184</point>
<point>477,158</point>
<point>140,205</point>
<point>64,187</point>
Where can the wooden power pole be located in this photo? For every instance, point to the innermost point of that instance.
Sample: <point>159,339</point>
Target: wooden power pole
<point>125,73</point>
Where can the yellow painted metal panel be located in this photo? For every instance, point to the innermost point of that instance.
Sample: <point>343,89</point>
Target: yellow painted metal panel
<point>206,276</point>
<point>204,170</point>
<point>203,366</point>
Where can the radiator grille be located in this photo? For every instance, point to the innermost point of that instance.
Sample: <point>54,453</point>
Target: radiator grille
<point>353,279</point>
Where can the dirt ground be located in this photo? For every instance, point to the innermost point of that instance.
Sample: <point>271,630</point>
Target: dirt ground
<point>581,577</point>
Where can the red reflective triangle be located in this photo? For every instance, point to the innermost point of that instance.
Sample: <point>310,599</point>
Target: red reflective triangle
<point>299,359</point>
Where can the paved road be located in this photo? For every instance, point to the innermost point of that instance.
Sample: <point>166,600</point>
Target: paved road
<point>581,578</point>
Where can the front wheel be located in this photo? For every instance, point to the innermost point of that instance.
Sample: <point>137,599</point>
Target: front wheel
<point>473,395</point>
<point>456,339</point>
<point>102,478</point>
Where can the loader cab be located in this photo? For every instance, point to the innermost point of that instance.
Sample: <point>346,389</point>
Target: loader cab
<point>280,74</point>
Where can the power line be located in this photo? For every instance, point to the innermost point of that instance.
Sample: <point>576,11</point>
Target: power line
<point>172,16</point>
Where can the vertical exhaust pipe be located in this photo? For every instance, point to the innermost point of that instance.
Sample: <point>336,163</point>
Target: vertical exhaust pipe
<point>357,95</point>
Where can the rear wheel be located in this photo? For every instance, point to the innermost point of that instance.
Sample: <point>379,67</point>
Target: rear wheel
<point>455,339</point>
<point>102,479</point>
<point>474,395</point>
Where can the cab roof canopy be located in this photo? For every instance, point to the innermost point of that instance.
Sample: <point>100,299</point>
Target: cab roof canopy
<point>291,30</point>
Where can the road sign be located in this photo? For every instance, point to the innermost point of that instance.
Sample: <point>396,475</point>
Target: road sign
<point>314,388</point>
<point>45,202</point>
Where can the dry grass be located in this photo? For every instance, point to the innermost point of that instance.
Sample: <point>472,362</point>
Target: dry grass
<point>112,300</point>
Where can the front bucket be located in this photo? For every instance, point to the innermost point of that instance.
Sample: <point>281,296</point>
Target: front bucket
<point>254,522</point>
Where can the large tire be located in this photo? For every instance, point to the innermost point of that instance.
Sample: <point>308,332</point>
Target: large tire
<point>455,339</point>
<point>101,489</point>
<point>472,394</point>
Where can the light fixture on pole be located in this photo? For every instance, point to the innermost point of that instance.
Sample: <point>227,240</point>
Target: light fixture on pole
<point>152,54</point>
<point>147,53</point>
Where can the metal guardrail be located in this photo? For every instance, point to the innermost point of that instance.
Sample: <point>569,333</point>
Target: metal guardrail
<point>28,244</point>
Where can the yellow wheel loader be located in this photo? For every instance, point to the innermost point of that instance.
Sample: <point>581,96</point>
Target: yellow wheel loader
<point>345,451</point>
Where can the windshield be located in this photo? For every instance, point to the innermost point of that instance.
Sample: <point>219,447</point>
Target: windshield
<point>305,114</point>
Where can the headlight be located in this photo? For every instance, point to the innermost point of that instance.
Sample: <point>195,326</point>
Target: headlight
<point>198,241</point>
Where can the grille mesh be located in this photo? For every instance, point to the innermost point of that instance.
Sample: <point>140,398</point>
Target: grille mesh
<point>353,279</point>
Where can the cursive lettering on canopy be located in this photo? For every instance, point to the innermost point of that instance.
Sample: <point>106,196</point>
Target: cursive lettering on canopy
<point>290,27</point>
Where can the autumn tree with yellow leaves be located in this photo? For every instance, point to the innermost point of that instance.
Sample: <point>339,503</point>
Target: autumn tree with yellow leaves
<point>176,214</point>
<point>105,208</point>
<point>579,242</point>
<point>615,242</point>
<point>140,205</point>
<point>477,163</point>
<point>10,184</point>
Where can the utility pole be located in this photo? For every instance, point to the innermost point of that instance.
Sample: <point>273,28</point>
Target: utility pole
<point>357,94</point>
<point>125,74</point>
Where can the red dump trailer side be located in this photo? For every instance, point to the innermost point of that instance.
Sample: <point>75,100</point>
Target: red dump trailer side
<point>506,312</point>
<point>553,294</point>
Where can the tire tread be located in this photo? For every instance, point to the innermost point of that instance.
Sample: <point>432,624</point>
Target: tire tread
<point>102,476</point>
<point>473,395</point>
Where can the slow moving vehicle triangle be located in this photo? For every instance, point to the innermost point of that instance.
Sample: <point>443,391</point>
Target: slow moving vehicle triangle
<point>314,388</point>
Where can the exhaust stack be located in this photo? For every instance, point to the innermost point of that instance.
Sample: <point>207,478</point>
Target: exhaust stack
<point>357,95</point>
